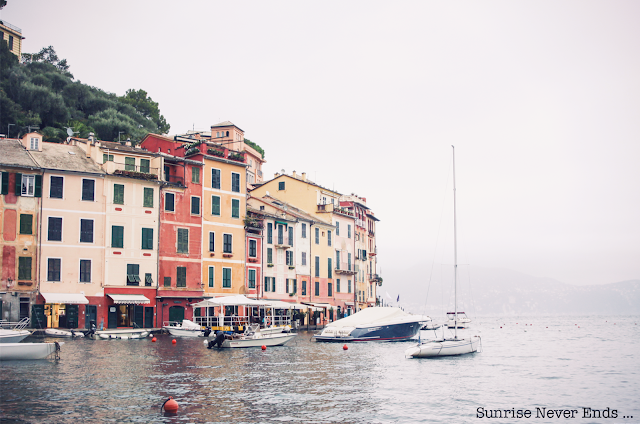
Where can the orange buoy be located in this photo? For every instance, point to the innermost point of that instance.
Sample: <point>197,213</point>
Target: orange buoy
<point>345,347</point>
<point>174,341</point>
<point>170,405</point>
<point>264,347</point>
<point>153,340</point>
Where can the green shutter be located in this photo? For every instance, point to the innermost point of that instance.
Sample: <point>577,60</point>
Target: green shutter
<point>147,201</point>
<point>144,165</point>
<point>117,236</point>
<point>211,269</point>
<point>183,240</point>
<point>18,185</point>
<point>147,238</point>
<point>129,164</point>
<point>235,208</point>
<point>118,194</point>
<point>26,224</point>
<point>215,205</point>
<point>37,192</point>
<point>5,183</point>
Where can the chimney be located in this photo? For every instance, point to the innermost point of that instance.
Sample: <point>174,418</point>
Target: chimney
<point>91,137</point>
<point>275,175</point>
<point>129,142</point>
<point>304,176</point>
<point>294,174</point>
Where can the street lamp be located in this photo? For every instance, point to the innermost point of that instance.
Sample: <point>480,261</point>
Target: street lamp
<point>119,132</point>
<point>9,125</point>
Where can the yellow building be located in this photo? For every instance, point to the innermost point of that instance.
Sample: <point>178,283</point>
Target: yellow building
<point>12,35</point>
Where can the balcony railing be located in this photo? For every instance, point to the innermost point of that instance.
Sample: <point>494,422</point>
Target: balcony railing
<point>174,179</point>
<point>130,170</point>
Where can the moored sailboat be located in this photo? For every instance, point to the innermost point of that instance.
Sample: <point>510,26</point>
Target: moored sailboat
<point>444,346</point>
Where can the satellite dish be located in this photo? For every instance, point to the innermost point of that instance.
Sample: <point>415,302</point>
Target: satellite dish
<point>70,132</point>
<point>282,170</point>
<point>267,192</point>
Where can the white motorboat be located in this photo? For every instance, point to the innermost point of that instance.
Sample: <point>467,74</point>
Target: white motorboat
<point>187,328</point>
<point>374,324</point>
<point>16,332</point>
<point>21,351</point>
<point>458,320</point>
<point>454,346</point>
<point>124,333</point>
<point>275,329</point>
<point>56,332</point>
<point>253,337</point>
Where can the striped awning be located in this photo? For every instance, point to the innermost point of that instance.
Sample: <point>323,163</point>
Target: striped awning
<point>129,299</point>
<point>66,298</point>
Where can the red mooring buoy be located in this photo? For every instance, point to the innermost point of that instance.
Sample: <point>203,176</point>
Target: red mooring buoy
<point>174,341</point>
<point>345,347</point>
<point>153,340</point>
<point>170,405</point>
<point>264,347</point>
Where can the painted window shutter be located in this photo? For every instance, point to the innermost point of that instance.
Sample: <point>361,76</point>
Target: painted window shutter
<point>18,184</point>
<point>215,205</point>
<point>5,183</point>
<point>38,188</point>
<point>147,201</point>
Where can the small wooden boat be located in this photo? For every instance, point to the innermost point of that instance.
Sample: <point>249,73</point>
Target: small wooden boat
<point>185,329</point>
<point>124,334</point>
<point>21,351</point>
<point>56,332</point>
<point>253,337</point>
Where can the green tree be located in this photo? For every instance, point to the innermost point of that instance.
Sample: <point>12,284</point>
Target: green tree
<point>46,55</point>
<point>146,107</point>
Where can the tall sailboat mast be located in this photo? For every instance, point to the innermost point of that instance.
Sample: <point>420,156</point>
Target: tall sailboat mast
<point>455,253</point>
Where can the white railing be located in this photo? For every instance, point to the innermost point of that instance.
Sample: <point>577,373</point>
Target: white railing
<point>20,325</point>
<point>236,321</point>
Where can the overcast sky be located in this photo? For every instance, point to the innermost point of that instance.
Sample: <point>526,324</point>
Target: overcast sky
<point>540,98</point>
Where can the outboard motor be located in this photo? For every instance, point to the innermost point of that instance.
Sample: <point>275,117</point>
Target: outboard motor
<point>206,331</point>
<point>217,341</point>
<point>92,329</point>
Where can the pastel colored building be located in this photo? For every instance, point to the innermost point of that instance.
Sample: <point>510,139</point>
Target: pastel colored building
<point>12,35</point>
<point>20,202</point>
<point>72,246</point>
<point>180,243</point>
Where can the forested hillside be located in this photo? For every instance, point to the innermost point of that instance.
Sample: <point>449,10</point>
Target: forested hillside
<point>41,93</point>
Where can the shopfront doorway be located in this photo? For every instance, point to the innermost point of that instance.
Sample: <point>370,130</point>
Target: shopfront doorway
<point>176,313</point>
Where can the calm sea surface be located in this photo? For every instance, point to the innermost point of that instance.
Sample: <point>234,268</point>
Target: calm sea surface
<point>549,362</point>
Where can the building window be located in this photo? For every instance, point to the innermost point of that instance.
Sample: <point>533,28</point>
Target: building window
<point>183,240</point>
<point>53,269</point>
<point>26,223</point>
<point>269,255</point>
<point>286,287</point>
<point>85,270</point>
<point>118,194</point>
<point>280,234</point>
<point>226,278</point>
<point>215,205</point>
<point>269,233</point>
<point>304,231</point>
<point>167,281</point>
<point>295,286</point>
<point>129,164</point>
<point>88,190</point>
<point>337,260</point>
<point>147,198</point>
<point>317,288</point>
<point>338,285</point>
<point>252,278</point>
<point>55,188</point>
<point>329,289</point>
<point>235,182</point>
<point>86,231</point>
<point>168,202</point>
<point>317,266</point>
<point>348,286</point>
<point>24,268</point>
<point>337,228</point>
<point>289,258</point>
<point>54,230</point>
<point>211,274</point>
<point>133,275</point>
<point>28,185</point>
<point>195,175</point>
<point>195,205</point>
<point>34,143</point>
<point>147,238</point>
<point>215,178</point>
<point>253,251</point>
<point>348,230</point>
<point>303,261</point>
<point>117,236</point>
<point>349,262</point>
<point>328,238</point>
<point>304,288</point>
<point>144,166</point>
<point>281,185</point>
<point>181,276</point>
<point>226,244</point>
<point>107,158</point>
<point>235,208</point>
<point>148,279</point>
<point>317,235</point>
<point>329,269</point>
<point>212,241</point>
<point>290,236</point>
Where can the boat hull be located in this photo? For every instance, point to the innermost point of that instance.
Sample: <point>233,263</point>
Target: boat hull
<point>183,332</point>
<point>435,348</point>
<point>53,332</point>
<point>258,341</point>
<point>26,351</point>
<point>13,336</point>
<point>122,334</point>
<point>392,332</point>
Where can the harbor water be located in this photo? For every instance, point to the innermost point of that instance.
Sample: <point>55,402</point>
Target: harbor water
<point>555,363</point>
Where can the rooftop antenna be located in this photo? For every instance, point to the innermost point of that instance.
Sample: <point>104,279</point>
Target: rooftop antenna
<point>70,131</point>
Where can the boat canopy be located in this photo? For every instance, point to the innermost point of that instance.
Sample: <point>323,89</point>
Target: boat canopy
<point>238,300</point>
<point>129,299</point>
<point>378,316</point>
<point>67,298</point>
